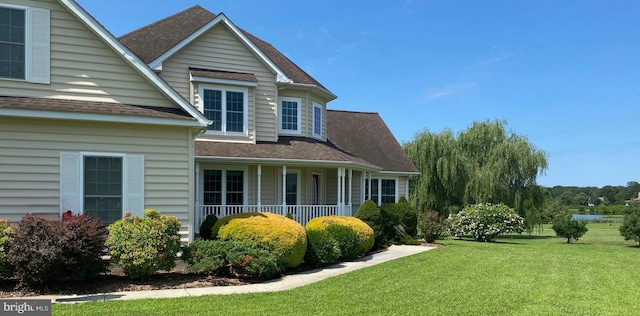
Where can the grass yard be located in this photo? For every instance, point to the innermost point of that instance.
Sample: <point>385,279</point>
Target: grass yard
<point>522,275</point>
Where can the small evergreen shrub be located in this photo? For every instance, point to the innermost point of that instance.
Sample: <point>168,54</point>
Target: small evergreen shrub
<point>285,238</point>
<point>348,242</point>
<point>408,216</point>
<point>206,256</point>
<point>42,252</point>
<point>370,213</point>
<point>630,228</point>
<point>248,260</point>
<point>484,222</point>
<point>322,248</point>
<point>391,223</point>
<point>142,246</point>
<point>432,226</point>
<point>207,225</point>
<point>569,228</point>
<point>6,233</point>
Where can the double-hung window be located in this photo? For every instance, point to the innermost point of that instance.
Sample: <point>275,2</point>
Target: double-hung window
<point>317,120</point>
<point>383,191</point>
<point>290,116</point>
<point>227,107</point>
<point>24,43</point>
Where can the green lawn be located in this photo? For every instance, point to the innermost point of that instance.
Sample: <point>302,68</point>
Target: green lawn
<point>523,275</point>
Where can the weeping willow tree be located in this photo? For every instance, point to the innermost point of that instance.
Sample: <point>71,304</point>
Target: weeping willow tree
<point>484,164</point>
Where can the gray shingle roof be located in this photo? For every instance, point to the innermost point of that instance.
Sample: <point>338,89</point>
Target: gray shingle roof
<point>76,106</point>
<point>153,40</point>
<point>364,134</point>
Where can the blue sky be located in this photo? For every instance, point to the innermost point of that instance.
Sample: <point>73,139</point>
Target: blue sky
<point>566,74</point>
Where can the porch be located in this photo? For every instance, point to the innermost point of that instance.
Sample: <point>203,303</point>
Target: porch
<point>300,213</point>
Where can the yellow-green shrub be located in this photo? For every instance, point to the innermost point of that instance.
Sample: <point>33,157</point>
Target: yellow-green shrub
<point>363,232</point>
<point>285,238</point>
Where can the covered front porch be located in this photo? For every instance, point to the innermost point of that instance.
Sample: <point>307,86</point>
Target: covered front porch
<point>303,191</point>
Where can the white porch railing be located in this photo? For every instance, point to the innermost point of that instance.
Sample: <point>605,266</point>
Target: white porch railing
<point>301,213</point>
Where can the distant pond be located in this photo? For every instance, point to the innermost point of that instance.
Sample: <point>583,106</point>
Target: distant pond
<point>587,216</point>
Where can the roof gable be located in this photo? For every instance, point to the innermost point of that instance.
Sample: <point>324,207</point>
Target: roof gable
<point>365,135</point>
<point>132,60</point>
<point>158,41</point>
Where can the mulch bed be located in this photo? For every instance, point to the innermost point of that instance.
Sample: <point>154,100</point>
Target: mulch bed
<point>116,281</point>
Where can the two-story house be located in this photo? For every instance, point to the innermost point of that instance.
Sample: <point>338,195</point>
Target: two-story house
<point>190,115</point>
<point>273,145</point>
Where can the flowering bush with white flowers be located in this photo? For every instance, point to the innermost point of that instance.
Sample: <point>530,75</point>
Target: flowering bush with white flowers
<point>484,222</point>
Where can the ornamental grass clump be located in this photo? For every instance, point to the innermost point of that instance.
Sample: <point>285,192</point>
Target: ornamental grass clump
<point>484,222</point>
<point>142,246</point>
<point>284,237</point>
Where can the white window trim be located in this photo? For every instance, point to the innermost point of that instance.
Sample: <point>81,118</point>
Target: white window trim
<point>379,193</point>
<point>288,131</point>
<point>313,125</point>
<point>224,169</point>
<point>224,89</point>
<point>72,181</point>
<point>37,43</point>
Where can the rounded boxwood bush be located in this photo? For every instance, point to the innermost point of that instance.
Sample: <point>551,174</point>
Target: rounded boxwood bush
<point>356,228</point>
<point>285,238</point>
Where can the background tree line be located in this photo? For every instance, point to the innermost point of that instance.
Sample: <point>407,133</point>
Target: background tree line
<point>488,163</point>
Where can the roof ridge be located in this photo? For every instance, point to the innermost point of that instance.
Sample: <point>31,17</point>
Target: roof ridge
<point>351,111</point>
<point>197,6</point>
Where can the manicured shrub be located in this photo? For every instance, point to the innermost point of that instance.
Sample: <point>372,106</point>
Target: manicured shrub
<point>391,219</point>
<point>207,225</point>
<point>322,248</point>
<point>432,226</point>
<point>228,257</point>
<point>6,233</point>
<point>569,228</point>
<point>370,213</point>
<point>630,228</point>
<point>347,238</point>
<point>285,238</point>
<point>408,216</point>
<point>206,256</point>
<point>248,260</point>
<point>484,222</point>
<point>43,252</point>
<point>142,246</point>
<point>349,248</point>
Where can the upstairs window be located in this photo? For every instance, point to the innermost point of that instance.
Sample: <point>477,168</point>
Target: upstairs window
<point>12,43</point>
<point>317,120</point>
<point>24,43</point>
<point>290,116</point>
<point>226,107</point>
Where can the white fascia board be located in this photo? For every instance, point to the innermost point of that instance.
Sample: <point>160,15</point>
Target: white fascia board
<point>289,162</point>
<point>281,77</point>
<point>97,117</point>
<point>136,62</point>
<point>240,83</point>
<point>312,87</point>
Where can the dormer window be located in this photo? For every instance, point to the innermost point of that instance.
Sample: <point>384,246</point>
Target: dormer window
<point>290,116</point>
<point>227,107</point>
<point>317,120</point>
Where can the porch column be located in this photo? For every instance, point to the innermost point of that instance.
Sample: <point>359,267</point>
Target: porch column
<point>259,199</point>
<point>369,188</point>
<point>350,190</point>
<point>197,212</point>
<point>284,190</point>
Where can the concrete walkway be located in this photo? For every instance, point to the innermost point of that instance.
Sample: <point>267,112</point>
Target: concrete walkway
<point>284,283</point>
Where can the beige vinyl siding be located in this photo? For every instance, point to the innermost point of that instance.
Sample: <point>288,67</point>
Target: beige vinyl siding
<point>83,67</point>
<point>220,49</point>
<point>307,110</point>
<point>30,163</point>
